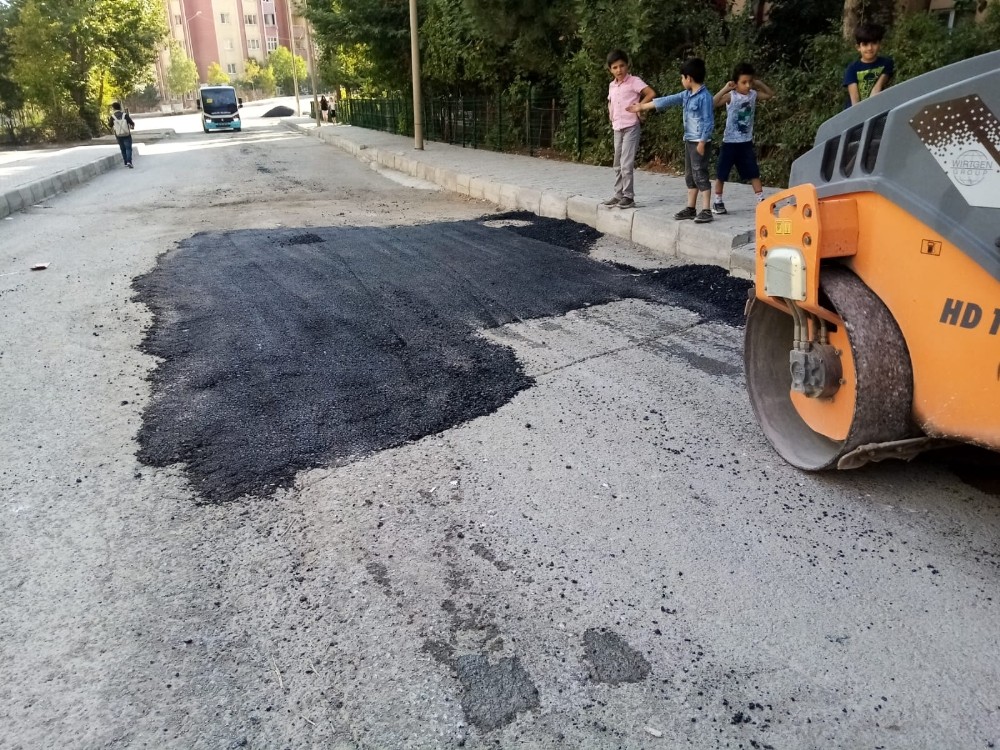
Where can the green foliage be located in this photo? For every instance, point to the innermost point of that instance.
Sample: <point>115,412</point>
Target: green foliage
<point>372,36</point>
<point>454,56</point>
<point>11,94</point>
<point>216,75</point>
<point>83,53</point>
<point>494,46</point>
<point>793,23</point>
<point>256,79</point>
<point>920,43</point>
<point>182,75</point>
<point>282,65</point>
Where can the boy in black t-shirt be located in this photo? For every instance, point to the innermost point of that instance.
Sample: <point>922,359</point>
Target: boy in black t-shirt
<point>869,75</point>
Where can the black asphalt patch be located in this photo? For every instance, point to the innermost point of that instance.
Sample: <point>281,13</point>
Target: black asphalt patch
<point>284,350</point>
<point>612,660</point>
<point>494,693</point>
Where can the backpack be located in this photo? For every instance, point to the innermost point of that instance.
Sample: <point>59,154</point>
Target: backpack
<point>120,125</point>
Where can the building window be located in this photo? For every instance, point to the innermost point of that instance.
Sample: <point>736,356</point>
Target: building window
<point>269,19</point>
<point>253,43</point>
<point>250,19</point>
<point>228,44</point>
<point>224,18</point>
<point>231,68</point>
<point>272,45</point>
<point>178,20</point>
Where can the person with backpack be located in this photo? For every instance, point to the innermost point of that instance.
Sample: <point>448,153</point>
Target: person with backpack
<point>121,125</point>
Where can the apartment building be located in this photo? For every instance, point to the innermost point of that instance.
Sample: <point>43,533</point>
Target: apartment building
<point>230,32</point>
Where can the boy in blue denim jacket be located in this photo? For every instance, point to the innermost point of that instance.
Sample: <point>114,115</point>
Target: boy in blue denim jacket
<point>699,121</point>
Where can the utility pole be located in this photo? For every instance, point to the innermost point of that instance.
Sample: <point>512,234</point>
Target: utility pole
<point>291,42</point>
<point>312,74</point>
<point>418,115</point>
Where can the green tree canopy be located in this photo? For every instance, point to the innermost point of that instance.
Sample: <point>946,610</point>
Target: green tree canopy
<point>182,75</point>
<point>282,64</point>
<point>11,95</point>
<point>216,75</point>
<point>256,78</point>
<point>369,35</point>
<point>84,51</point>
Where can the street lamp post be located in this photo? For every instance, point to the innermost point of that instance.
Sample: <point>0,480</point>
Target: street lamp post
<point>187,33</point>
<point>312,74</point>
<point>418,116</point>
<point>187,40</point>
<point>291,42</point>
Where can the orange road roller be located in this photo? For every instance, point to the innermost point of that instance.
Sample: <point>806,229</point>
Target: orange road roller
<point>873,329</point>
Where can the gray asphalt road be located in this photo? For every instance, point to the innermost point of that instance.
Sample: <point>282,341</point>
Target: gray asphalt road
<point>594,549</point>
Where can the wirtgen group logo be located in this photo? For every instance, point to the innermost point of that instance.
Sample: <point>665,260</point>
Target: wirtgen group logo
<point>971,167</point>
<point>963,136</point>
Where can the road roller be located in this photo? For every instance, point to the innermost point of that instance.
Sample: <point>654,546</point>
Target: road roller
<point>873,327</point>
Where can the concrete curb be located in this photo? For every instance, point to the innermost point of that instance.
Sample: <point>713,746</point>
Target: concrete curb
<point>34,192</point>
<point>654,228</point>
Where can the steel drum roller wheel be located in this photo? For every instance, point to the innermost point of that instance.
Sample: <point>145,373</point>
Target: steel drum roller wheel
<point>882,383</point>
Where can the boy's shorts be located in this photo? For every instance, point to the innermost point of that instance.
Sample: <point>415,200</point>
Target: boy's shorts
<point>740,155</point>
<point>696,166</point>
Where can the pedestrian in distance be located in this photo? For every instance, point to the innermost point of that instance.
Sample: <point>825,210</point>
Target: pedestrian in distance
<point>624,90</point>
<point>121,125</point>
<point>870,74</point>
<point>699,121</point>
<point>739,96</point>
<point>324,105</point>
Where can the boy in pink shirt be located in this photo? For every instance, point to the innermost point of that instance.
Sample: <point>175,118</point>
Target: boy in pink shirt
<point>623,91</point>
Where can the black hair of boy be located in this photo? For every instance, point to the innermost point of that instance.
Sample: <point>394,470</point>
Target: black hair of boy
<point>116,106</point>
<point>615,55</point>
<point>694,68</point>
<point>743,69</point>
<point>868,33</point>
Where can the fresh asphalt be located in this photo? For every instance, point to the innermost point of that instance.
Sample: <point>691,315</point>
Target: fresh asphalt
<point>285,350</point>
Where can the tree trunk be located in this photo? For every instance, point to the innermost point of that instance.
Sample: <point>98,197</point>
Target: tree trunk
<point>853,12</point>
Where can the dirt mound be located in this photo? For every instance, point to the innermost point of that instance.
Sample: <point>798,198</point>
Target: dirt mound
<point>279,112</point>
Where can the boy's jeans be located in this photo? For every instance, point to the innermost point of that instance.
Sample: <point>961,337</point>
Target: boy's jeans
<point>125,144</point>
<point>626,146</point>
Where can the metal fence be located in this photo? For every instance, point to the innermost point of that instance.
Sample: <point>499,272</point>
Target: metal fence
<point>536,122</point>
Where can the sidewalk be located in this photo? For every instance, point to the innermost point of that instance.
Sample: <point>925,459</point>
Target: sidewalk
<point>564,190</point>
<point>30,176</point>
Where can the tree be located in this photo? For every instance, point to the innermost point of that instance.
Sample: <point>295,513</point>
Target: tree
<point>182,75</point>
<point>216,75</point>
<point>857,12</point>
<point>84,51</point>
<point>256,79</point>
<point>11,96</point>
<point>281,63</point>
<point>370,35</point>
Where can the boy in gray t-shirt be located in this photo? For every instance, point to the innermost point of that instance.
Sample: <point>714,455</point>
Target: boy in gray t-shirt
<point>740,96</point>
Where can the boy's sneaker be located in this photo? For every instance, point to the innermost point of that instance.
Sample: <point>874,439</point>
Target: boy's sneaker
<point>685,213</point>
<point>626,203</point>
<point>719,208</point>
<point>704,216</point>
<point>612,202</point>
